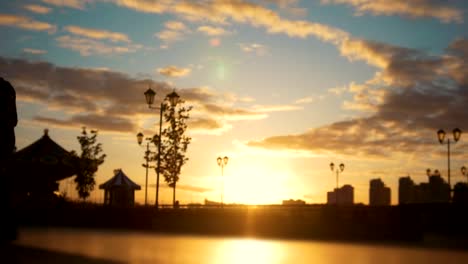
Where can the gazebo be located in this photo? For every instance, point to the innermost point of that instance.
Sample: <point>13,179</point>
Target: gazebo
<point>119,190</point>
<point>37,168</point>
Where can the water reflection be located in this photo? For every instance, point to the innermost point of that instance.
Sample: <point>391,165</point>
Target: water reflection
<point>132,247</point>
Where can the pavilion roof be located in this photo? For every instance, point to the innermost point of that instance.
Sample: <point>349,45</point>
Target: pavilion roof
<point>120,180</point>
<point>44,157</point>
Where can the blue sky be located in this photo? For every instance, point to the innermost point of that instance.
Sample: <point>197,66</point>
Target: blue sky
<point>283,87</point>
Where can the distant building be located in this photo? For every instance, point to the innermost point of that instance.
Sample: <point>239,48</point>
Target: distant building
<point>342,196</point>
<point>379,194</point>
<point>434,191</point>
<point>406,190</point>
<point>293,202</point>
<point>119,190</point>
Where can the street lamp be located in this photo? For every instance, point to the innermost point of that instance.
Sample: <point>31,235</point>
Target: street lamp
<point>430,173</point>
<point>140,137</point>
<point>464,172</point>
<point>338,171</point>
<point>173,100</point>
<point>456,136</point>
<point>222,162</point>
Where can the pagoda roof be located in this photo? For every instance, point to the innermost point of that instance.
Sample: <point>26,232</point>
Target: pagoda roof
<point>120,180</point>
<point>44,157</point>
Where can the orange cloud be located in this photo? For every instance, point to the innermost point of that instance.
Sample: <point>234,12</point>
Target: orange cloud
<point>415,8</point>
<point>213,31</point>
<point>38,9</point>
<point>77,4</point>
<point>174,71</point>
<point>97,34</point>
<point>26,23</point>
<point>87,47</point>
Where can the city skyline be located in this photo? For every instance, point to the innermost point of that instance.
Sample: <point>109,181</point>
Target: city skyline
<point>282,88</point>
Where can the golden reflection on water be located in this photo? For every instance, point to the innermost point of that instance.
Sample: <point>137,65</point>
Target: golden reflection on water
<point>248,251</point>
<point>133,247</point>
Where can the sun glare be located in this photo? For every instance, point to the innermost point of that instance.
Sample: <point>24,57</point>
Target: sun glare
<point>254,184</point>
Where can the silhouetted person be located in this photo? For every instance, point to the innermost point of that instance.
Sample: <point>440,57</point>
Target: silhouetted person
<point>8,122</point>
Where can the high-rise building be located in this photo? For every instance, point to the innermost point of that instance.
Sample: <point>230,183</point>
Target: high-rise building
<point>379,194</point>
<point>434,191</point>
<point>406,190</point>
<point>342,196</point>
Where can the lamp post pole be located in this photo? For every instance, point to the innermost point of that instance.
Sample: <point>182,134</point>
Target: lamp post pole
<point>173,99</point>
<point>140,137</point>
<point>456,137</point>
<point>222,162</point>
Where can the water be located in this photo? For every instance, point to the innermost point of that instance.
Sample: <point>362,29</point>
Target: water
<point>134,247</point>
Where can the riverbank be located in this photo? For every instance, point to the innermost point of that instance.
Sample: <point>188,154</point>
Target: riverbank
<point>426,225</point>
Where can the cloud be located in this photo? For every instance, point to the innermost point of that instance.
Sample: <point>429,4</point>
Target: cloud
<point>97,34</point>
<point>110,100</point>
<point>176,26</point>
<point>100,122</point>
<point>38,9</point>
<point>275,108</point>
<point>77,4</point>
<point>337,90</point>
<point>258,49</point>
<point>305,100</point>
<point>221,11</point>
<point>174,31</point>
<point>146,6</point>
<point>87,47</point>
<point>440,10</point>
<point>213,31</point>
<point>26,23</point>
<point>34,51</point>
<point>413,96</point>
<point>174,71</point>
<point>290,7</point>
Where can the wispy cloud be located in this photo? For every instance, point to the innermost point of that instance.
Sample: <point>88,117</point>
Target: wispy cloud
<point>305,100</point>
<point>275,108</point>
<point>174,71</point>
<point>255,48</point>
<point>441,10</point>
<point>213,31</point>
<point>38,9</point>
<point>87,47</point>
<point>77,4</point>
<point>34,51</point>
<point>26,23</point>
<point>97,34</point>
<point>174,31</point>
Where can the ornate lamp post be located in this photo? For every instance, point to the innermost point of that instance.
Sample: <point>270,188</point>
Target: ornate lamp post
<point>173,99</point>
<point>430,173</point>
<point>464,172</point>
<point>140,138</point>
<point>222,162</point>
<point>338,171</point>
<point>456,136</point>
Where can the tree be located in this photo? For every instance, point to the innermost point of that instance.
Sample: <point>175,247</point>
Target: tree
<point>88,162</point>
<point>174,142</point>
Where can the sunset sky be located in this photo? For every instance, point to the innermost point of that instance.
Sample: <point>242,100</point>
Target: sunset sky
<point>281,87</point>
